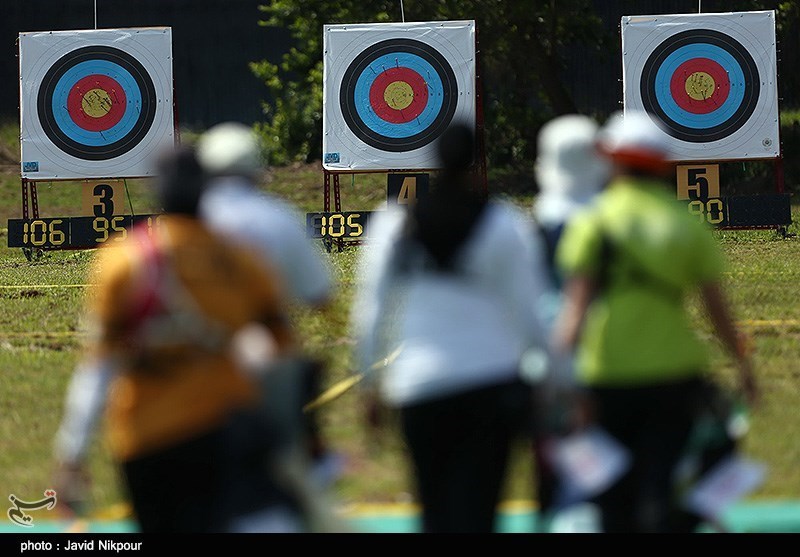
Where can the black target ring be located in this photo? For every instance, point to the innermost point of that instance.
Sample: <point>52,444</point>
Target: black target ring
<point>142,119</point>
<point>446,88</point>
<point>746,65</point>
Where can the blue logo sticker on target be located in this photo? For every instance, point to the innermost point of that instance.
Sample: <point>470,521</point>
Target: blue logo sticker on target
<point>30,166</point>
<point>331,157</point>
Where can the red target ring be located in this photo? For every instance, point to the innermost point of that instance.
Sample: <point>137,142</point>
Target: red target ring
<point>96,102</point>
<point>700,85</point>
<point>398,95</point>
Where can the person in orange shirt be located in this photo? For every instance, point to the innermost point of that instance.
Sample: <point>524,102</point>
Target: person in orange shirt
<point>165,317</point>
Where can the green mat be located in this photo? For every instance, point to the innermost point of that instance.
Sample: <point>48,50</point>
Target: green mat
<point>753,517</point>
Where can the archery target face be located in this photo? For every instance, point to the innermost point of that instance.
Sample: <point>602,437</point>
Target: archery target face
<point>95,104</point>
<point>390,90</point>
<point>709,80</point>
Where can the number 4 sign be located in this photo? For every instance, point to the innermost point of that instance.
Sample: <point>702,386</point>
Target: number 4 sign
<point>406,189</point>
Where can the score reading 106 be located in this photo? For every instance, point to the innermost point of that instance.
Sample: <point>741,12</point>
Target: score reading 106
<point>72,232</point>
<point>84,232</point>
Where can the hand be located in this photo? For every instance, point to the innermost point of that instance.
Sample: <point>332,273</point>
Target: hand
<point>374,411</point>
<point>583,411</point>
<point>72,484</point>
<point>566,409</point>
<point>747,381</point>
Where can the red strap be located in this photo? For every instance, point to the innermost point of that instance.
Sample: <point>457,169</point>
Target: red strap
<point>147,300</point>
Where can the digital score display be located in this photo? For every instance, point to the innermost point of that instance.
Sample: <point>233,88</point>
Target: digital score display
<point>73,232</point>
<point>349,225</point>
<point>104,226</point>
<point>698,186</point>
<point>743,211</point>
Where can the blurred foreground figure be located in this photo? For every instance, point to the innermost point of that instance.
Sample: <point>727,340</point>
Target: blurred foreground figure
<point>452,282</point>
<point>234,205</point>
<point>570,172</point>
<point>630,263</point>
<point>182,322</point>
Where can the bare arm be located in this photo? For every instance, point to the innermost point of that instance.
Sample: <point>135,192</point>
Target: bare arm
<point>578,293</point>
<point>719,314</point>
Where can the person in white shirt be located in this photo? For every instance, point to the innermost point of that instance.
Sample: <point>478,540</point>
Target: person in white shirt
<point>454,282</point>
<point>234,205</point>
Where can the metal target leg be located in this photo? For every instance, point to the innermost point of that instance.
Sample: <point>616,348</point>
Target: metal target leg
<point>30,253</point>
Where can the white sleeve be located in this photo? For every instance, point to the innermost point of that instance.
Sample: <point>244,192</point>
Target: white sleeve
<point>524,281</point>
<point>511,258</point>
<point>537,300</point>
<point>303,262</point>
<point>85,400</point>
<point>373,288</point>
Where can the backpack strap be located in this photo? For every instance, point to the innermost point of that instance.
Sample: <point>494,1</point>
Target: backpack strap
<point>164,311</point>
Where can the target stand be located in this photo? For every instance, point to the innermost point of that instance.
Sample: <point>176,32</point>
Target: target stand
<point>710,82</point>
<point>390,91</point>
<point>95,105</point>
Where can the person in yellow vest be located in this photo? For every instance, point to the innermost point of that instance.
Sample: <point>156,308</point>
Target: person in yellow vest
<point>630,263</point>
<point>166,312</point>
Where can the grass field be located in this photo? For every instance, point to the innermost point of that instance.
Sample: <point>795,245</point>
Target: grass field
<point>41,336</point>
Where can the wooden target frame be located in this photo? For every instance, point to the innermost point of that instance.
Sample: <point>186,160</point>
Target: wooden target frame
<point>96,106</point>
<point>401,86</point>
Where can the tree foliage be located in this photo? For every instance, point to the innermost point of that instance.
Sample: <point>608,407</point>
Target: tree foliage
<point>520,46</point>
<point>522,59</point>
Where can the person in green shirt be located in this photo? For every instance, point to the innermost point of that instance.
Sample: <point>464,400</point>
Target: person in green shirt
<point>631,263</point>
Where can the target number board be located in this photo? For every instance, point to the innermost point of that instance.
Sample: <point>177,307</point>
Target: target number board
<point>94,103</point>
<point>391,89</point>
<point>709,81</point>
<point>401,189</point>
<point>107,223</point>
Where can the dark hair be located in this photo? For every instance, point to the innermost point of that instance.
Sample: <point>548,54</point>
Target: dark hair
<point>180,180</point>
<point>443,220</point>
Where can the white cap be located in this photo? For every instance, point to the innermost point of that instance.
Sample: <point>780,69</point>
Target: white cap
<point>635,139</point>
<point>230,149</point>
<point>569,170</point>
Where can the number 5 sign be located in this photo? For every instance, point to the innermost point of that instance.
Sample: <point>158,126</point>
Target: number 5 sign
<point>698,182</point>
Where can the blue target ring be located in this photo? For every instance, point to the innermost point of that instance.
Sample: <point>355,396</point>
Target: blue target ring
<point>722,49</point>
<point>62,128</point>
<point>407,129</point>
<point>86,137</point>
<point>700,121</point>
<point>410,56</point>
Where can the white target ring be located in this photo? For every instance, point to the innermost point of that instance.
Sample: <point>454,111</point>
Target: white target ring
<point>710,81</point>
<point>95,103</point>
<point>390,90</point>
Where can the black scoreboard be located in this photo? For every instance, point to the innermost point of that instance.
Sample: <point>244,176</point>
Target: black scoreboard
<point>73,232</point>
<point>743,211</point>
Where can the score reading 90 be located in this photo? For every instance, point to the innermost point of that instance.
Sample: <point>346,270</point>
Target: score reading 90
<point>348,225</point>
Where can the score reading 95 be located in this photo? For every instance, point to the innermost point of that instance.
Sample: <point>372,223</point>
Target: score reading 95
<point>351,225</point>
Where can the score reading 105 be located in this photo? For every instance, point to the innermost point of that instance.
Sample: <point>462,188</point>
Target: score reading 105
<point>331,225</point>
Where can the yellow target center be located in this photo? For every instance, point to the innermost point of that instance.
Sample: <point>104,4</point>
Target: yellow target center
<point>96,103</point>
<point>700,86</point>
<point>398,95</point>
